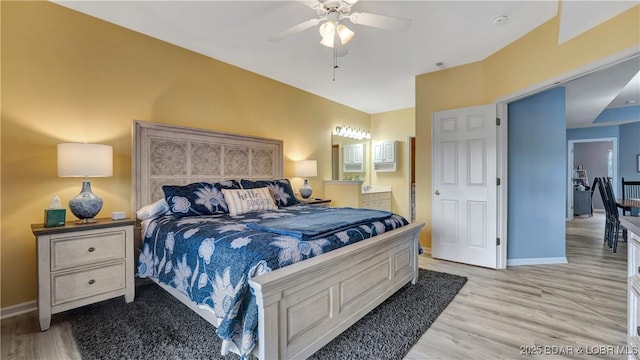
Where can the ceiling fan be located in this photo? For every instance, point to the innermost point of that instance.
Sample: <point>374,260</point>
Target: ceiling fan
<point>332,15</point>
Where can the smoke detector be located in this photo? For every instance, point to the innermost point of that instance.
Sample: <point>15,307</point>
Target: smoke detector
<point>500,19</point>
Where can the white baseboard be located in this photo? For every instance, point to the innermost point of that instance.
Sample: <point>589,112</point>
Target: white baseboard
<point>13,310</point>
<point>537,261</point>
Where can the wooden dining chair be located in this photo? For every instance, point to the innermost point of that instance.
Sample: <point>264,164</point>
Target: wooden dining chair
<point>596,181</point>
<point>629,190</point>
<point>614,222</point>
<point>607,219</point>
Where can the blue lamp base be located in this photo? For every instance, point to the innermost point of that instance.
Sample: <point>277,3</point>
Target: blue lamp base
<point>86,205</point>
<point>306,190</point>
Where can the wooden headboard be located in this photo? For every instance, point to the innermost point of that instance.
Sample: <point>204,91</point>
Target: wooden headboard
<point>176,155</point>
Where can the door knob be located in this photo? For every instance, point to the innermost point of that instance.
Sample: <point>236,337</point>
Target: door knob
<point>437,192</point>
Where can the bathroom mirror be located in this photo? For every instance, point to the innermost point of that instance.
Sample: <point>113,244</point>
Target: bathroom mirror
<point>350,159</point>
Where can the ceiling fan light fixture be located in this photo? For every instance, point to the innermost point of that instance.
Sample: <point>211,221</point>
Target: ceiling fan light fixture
<point>327,41</point>
<point>328,33</point>
<point>344,33</point>
<point>327,29</point>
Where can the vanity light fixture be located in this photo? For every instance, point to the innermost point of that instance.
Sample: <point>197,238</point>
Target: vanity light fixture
<point>351,133</point>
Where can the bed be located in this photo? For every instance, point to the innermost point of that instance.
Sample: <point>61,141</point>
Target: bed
<point>300,299</point>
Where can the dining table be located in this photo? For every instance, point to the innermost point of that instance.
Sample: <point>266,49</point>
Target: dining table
<point>629,203</point>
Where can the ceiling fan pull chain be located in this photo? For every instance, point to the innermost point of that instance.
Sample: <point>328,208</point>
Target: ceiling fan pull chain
<point>335,63</point>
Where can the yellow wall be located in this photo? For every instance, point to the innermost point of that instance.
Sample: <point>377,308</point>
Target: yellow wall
<point>394,125</point>
<point>68,77</point>
<point>530,60</point>
<point>344,193</point>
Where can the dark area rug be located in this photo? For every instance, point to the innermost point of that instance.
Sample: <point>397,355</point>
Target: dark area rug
<point>158,326</point>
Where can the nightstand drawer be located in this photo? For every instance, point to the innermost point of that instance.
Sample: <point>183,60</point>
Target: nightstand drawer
<point>70,251</point>
<point>77,285</point>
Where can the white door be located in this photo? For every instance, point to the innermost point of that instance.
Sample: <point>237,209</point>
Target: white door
<point>464,186</point>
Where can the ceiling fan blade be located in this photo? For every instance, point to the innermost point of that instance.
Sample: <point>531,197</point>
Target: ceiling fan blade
<point>380,21</point>
<point>294,29</point>
<point>314,4</point>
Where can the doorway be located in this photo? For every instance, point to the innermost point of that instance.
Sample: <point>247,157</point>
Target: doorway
<point>599,157</point>
<point>335,162</point>
<point>411,177</point>
<point>503,102</point>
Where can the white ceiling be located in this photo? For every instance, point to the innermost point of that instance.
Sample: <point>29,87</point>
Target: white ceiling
<point>378,73</point>
<point>613,87</point>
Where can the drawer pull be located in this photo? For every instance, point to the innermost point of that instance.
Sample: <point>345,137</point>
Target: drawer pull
<point>638,330</point>
<point>91,249</point>
<point>91,282</point>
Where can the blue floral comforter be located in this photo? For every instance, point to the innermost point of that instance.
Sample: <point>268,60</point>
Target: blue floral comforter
<point>211,258</point>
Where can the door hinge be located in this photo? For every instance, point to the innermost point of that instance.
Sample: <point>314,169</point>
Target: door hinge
<point>498,121</point>
<point>497,241</point>
<point>498,181</point>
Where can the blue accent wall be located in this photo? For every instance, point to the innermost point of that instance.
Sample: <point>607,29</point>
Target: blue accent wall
<point>624,113</point>
<point>537,176</point>
<point>593,132</point>
<point>629,149</point>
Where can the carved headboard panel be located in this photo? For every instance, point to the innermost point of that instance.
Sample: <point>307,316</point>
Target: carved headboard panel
<point>175,155</point>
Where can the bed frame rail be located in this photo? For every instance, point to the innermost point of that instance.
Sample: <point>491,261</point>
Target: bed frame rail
<point>305,305</point>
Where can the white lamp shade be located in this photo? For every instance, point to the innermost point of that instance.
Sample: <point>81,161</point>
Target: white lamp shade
<point>344,33</point>
<point>327,29</point>
<point>305,168</point>
<point>328,33</point>
<point>80,160</point>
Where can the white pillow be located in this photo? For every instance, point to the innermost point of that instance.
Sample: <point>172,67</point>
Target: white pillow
<point>158,208</point>
<point>242,201</point>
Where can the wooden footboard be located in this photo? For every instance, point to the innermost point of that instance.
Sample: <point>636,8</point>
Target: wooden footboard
<point>305,305</point>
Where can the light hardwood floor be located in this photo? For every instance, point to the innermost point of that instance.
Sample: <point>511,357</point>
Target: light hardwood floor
<point>549,308</point>
<point>498,313</point>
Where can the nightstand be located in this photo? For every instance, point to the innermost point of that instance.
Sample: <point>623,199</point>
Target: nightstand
<point>80,264</point>
<point>317,202</point>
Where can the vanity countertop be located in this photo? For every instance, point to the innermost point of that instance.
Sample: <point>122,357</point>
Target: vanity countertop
<point>344,182</point>
<point>375,189</point>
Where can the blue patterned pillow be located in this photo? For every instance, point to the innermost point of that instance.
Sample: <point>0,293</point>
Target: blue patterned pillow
<point>201,198</point>
<point>281,190</point>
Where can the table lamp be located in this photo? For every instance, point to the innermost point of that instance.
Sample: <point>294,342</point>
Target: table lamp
<point>85,160</point>
<point>304,169</point>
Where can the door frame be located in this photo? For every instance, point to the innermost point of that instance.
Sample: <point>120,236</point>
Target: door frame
<point>570,157</point>
<point>410,158</point>
<point>502,136</point>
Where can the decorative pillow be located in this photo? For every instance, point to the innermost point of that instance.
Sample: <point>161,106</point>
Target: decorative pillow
<point>281,190</point>
<point>201,198</point>
<point>248,200</point>
<point>158,208</point>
